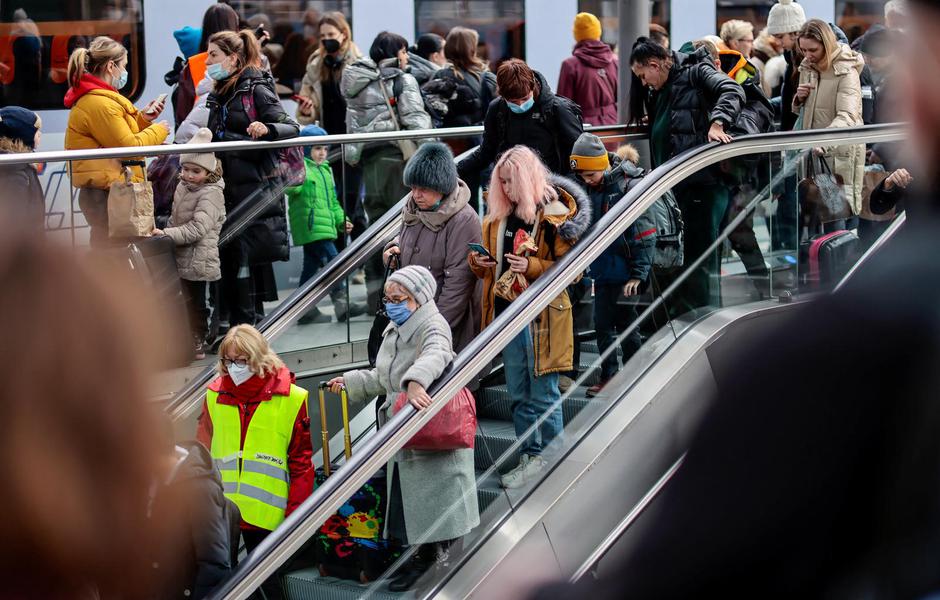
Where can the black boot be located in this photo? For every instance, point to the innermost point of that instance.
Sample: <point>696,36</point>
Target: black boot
<point>313,316</point>
<point>345,310</point>
<point>420,562</point>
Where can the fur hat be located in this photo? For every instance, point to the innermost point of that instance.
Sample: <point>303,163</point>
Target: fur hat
<point>418,281</point>
<point>586,27</point>
<point>785,17</point>
<point>19,124</point>
<point>205,160</point>
<point>432,167</point>
<point>589,154</point>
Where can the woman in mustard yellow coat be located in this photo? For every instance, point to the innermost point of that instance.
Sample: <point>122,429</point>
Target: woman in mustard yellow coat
<point>101,117</point>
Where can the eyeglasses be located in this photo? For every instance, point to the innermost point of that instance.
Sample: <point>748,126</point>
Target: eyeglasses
<point>238,362</point>
<point>397,300</point>
<point>749,41</point>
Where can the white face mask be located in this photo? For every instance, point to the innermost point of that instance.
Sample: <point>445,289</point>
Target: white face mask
<point>240,375</point>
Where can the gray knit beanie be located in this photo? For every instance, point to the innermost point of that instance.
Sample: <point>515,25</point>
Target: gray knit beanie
<point>418,281</point>
<point>205,160</point>
<point>785,17</point>
<point>432,167</point>
<point>589,154</point>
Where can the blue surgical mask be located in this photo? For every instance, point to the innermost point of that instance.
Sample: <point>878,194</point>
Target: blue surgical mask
<point>217,72</point>
<point>398,312</point>
<point>122,81</point>
<point>521,108</point>
<point>240,375</point>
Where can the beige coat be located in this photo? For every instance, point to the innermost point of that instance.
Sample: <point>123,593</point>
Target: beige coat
<point>310,86</point>
<point>195,225</point>
<point>836,101</point>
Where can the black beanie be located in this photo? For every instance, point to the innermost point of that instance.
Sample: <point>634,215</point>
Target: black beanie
<point>18,123</point>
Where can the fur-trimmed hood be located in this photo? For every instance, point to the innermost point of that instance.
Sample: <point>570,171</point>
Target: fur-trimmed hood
<point>11,146</point>
<point>571,212</point>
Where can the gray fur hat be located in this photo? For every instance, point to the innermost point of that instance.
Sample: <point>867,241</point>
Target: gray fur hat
<point>418,281</point>
<point>432,167</point>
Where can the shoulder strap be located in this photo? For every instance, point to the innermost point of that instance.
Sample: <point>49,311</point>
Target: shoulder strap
<point>388,103</point>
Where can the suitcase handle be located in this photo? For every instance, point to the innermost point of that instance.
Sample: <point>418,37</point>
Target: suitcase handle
<point>324,430</point>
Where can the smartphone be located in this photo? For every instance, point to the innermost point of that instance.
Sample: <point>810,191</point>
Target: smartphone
<point>479,249</point>
<point>161,98</point>
<point>259,33</point>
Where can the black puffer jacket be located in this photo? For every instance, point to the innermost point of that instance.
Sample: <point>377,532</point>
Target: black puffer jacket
<point>464,98</point>
<point>248,172</point>
<point>699,94</point>
<point>23,193</point>
<point>550,128</point>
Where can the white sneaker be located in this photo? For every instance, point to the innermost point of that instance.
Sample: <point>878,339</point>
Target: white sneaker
<point>529,467</point>
<point>565,383</point>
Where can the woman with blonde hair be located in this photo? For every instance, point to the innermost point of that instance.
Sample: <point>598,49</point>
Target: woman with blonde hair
<point>830,96</point>
<point>100,117</point>
<point>525,198</point>
<point>254,423</point>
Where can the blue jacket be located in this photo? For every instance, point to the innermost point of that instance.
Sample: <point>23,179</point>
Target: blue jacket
<point>630,257</point>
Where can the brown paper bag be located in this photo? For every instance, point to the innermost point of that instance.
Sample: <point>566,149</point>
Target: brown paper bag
<point>130,208</point>
<point>873,177</point>
<point>510,285</point>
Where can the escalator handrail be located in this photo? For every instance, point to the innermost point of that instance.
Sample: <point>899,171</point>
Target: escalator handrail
<point>318,287</point>
<point>627,132</point>
<point>376,451</point>
<point>883,239</point>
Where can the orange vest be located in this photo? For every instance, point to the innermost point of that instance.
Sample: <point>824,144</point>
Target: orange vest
<point>197,69</point>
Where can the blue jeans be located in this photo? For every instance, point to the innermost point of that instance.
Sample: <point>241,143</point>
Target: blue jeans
<point>316,256</point>
<point>532,396</point>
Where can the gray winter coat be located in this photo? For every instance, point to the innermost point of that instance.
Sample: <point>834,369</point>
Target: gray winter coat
<point>195,223</point>
<point>438,241</point>
<point>438,488</point>
<point>366,110</point>
<point>422,69</point>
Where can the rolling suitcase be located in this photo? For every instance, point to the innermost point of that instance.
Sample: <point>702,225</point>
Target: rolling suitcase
<point>349,544</point>
<point>825,258</point>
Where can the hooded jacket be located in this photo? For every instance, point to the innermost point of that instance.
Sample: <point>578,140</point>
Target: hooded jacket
<point>438,241</point>
<point>248,172</point>
<point>461,97</point>
<point>757,113</point>
<point>21,188</point>
<point>366,109</point>
<point>247,397</point>
<point>193,552</point>
<point>836,101</point>
<point>560,224</point>
<point>198,117</point>
<point>589,78</point>
<point>314,211</point>
<point>550,128</point>
<point>312,87</point>
<point>631,256</point>
<point>194,226</point>
<point>421,69</point>
<point>100,117</point>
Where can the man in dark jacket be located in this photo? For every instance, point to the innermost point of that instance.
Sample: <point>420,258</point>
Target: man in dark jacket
<point>527,114</point>
<point>828,486</point>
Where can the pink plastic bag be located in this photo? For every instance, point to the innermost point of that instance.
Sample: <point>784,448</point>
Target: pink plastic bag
<point>452,428</point>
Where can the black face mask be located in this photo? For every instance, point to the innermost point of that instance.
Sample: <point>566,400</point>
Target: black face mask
<point>331,46</point>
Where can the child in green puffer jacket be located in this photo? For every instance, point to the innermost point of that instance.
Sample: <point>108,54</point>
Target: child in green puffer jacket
<point>316,219</point>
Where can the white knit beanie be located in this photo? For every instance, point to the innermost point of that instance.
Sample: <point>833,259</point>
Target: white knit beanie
<point>785,17</point>
<point>418,281</point>
<point>205,160</point>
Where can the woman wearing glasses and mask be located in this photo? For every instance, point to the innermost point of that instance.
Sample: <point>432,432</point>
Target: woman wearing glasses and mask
<point>254,423</point>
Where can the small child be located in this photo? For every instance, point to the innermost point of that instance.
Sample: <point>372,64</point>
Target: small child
<point>194,226</point>
<point>624,267</point>
<point>316,219</point>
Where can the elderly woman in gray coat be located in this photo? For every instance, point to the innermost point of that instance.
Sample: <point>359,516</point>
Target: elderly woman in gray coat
<point>432,494</point>
<point>438,223</point>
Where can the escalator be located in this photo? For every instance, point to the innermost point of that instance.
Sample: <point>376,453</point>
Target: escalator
<point>640,424</point>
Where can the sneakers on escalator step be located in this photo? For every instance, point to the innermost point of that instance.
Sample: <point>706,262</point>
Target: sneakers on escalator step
<point>529,467</point>
<point>597,388</point>
<point>565,383</point>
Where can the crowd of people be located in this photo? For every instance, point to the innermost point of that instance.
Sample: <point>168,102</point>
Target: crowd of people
<point>547,184</point>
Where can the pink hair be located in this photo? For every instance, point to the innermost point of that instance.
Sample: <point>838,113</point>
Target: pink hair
<point>529,187</point>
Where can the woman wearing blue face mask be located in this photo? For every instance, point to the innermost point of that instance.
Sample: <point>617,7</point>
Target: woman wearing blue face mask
<point>100,117</point>
<point>432,493</point>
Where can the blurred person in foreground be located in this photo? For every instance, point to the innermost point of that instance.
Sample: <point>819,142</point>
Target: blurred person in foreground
<point>830,486</point>
<point>81,446</point>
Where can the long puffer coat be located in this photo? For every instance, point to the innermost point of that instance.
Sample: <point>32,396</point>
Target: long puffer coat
<point>366,109</point>
<point>195,224</point>
<point>836,101</point>
<point>589,78</point>
<point>248,172</point>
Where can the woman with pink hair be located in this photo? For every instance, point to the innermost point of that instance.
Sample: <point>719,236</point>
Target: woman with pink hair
<point>554,212</point>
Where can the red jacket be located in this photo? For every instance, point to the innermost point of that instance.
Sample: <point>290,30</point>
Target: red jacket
<point>247,397</point>
<point>589,78</point>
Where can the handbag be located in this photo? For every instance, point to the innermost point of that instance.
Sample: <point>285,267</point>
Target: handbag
<point>289,162</point>
<point>822,195</point>
<point>454,427</point>
<point>381,320</point>
<point>407,147</point>
<point>130,205</point>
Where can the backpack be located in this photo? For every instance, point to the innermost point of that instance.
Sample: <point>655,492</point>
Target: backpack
<point>289,165</point>
<point>670,243</point>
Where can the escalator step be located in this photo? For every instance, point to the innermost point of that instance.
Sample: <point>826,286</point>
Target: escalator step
<point>495,403</point>
<point>494,437</point>
<point>486,496</point>
<point>306,584</point>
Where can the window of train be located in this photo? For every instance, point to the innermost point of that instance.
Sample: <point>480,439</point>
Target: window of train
<point>752,11</point>
<point>37,37</point>
<point>856,17</point>
<point>608,12</point>
<point>500,23</point>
